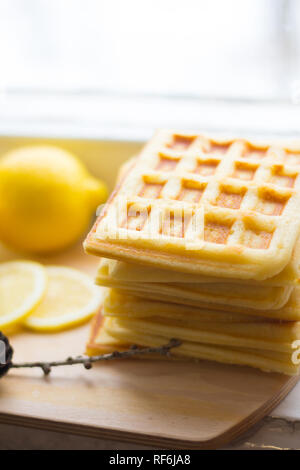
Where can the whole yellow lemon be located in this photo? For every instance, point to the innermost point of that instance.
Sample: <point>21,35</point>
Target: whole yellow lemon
<point>47,198</point>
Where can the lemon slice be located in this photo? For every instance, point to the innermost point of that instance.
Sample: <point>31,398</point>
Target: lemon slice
<point>71,298</point>
<point>22,286</point>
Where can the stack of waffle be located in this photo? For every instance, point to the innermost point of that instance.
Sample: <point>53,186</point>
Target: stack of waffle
<point>199,242</point>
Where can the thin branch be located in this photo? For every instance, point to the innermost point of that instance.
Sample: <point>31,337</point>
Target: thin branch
<point>88,360</point>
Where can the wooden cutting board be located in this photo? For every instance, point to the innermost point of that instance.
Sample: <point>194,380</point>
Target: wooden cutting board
<point>157,403</point>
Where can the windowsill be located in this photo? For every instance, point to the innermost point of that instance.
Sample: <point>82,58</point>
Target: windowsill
<point>124,117</point>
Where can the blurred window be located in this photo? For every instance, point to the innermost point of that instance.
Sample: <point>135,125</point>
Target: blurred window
<point>233,49</point>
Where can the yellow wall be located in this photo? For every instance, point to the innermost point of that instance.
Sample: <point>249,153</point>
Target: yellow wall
<point>102,157</point>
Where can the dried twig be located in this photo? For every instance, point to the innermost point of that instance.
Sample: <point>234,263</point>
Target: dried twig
<point>88,360</point>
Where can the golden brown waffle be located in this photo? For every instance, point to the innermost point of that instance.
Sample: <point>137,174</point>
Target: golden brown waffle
<point>289,312</point>
<point>130,272</point>
<point>229,293</point>
<point>99,341</point>
<point>108,335</point>
<point>257,333</point>
<point>265,336</point>
<point>222,208</point>
<point>116,303</point>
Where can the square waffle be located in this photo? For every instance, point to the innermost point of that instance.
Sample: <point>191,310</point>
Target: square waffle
<point>121,304</point>
<point>108,335</point>
<point>195,204</point>
<point>277,337</point>
<point>130,272</point>
<point>192,326</point>
<point>289,312</point>
<point>226,292</point>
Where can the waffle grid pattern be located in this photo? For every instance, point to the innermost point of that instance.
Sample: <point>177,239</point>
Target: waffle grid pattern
<point>189,192</point>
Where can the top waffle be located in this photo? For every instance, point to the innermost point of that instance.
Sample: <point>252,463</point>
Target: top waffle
<point>189,203</point>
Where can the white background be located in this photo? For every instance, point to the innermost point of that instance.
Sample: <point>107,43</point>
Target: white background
<point>109,68</point>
